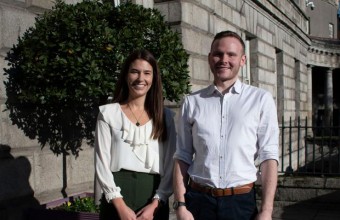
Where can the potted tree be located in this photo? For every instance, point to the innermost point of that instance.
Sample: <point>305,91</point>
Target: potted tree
<point>66,65</point>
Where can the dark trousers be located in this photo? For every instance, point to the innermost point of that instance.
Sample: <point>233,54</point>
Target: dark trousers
<point>235,207</point>
<point>137,190</point>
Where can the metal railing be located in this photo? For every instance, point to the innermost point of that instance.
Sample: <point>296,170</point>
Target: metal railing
<point>312,150</point>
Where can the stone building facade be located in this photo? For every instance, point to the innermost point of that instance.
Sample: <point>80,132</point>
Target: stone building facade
<point>277,47</point>
<point>286,55</point>
<point>324,62</point>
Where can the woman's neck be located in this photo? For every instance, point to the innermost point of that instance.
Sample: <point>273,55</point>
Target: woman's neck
<point>136,103</point>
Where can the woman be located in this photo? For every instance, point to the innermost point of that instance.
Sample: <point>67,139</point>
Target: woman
<point>135,142</point>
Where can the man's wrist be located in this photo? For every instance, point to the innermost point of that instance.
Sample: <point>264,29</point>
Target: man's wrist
<point>177,204</point>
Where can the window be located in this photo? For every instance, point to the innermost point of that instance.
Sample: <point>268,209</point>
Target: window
<point>308,26</point>
<point>245,72</point>
<point>331,30</point>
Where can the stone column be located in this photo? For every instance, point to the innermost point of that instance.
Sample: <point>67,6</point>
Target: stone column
<point>309,95</point>
<point>328,98</point>
<point>116,2</point>
<point>145,3</point>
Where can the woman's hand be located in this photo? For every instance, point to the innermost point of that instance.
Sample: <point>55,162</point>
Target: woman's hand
<point>124,212</point>
<point>148,211</point>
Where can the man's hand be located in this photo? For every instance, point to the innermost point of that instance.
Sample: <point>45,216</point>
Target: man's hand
<point>263,215</point>
<point>183,213</point>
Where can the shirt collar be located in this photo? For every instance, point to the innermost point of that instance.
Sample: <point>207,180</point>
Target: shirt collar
<point>236,88</point>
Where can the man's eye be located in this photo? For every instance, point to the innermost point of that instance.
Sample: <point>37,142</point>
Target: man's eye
<point>218,54</point>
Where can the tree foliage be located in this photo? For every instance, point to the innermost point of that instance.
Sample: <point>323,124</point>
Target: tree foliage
<point>67,64</point>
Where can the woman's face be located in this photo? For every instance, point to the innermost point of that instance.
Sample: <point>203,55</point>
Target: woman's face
<point>139,78</point>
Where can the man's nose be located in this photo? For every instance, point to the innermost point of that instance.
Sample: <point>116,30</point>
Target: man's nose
<point>225,58</point>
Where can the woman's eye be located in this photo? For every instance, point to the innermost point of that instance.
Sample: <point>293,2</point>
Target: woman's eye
<point>133,71</point>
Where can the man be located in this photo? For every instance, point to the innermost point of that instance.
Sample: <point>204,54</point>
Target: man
<point>222,129</point>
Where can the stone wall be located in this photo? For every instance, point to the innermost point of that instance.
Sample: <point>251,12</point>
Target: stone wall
<point>270,37</point>
<point>306,197</point>
<point>29,174</point>
<point>320,27</point>
<point>276,32</point>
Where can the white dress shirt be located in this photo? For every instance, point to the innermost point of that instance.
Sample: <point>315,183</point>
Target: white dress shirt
<point>220,136</point>
<point>120,144</point>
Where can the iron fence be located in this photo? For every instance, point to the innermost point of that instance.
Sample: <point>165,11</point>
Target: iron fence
<point>312,150</point>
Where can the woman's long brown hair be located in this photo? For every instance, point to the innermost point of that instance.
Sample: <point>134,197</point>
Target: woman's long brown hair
<point>154,98</point>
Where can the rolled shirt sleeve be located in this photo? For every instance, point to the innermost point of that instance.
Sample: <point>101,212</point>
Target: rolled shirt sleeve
<point>268,131</point>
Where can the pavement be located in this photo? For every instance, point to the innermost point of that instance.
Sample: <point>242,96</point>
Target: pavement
<point>308,211</point>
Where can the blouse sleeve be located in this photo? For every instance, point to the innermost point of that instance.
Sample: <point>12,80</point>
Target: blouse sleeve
<point>103,172</point>
<point>165,187</point>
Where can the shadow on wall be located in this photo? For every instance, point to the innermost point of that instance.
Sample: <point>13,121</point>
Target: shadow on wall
<point>16,194</point>
<point>325,207</point>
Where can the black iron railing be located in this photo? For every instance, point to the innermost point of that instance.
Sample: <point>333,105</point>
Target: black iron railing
<point>309,149</point>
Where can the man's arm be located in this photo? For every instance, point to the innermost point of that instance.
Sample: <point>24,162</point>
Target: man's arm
<point>269,183</point>
<point>180,182</point>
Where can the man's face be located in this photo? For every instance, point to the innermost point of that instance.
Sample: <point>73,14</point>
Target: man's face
<point>225,59</point>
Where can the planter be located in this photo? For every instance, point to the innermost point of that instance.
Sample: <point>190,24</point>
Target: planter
<point>49,211</point>
<point>49,214</point>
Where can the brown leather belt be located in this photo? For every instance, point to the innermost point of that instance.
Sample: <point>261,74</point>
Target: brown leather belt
<point>221,192</point>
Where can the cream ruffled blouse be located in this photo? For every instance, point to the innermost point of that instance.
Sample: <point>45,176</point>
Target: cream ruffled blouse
<point>139,139</point>
<point>120,144</point>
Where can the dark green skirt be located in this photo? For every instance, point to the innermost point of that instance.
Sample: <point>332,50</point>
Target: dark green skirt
<point>138,190</point>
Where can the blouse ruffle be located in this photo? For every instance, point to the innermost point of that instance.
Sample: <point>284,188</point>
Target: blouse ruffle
<point>138,137</point>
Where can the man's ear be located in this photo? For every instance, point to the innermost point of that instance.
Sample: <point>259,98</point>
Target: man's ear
<point>209,57</point>
<point>243,60</point>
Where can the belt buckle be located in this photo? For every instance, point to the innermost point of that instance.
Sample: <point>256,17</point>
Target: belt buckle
<point>214,192</point>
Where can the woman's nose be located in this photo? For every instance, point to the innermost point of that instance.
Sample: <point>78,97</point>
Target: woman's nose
<point>141,76</point>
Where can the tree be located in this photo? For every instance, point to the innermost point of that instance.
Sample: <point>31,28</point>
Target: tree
<point>65,66</point>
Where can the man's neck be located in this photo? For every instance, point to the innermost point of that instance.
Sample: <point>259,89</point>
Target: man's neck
<point>225,86</point>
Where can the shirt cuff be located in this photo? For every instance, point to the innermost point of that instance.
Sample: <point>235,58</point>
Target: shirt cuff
<point>158,197</point>
<point>113,195</point>
<point>185,158</point>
